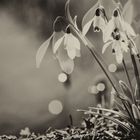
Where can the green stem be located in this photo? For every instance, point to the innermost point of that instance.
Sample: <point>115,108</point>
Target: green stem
<point>136,72</point>
<point>102,67</point>
<point>96,56</point>
<point>129,81</point>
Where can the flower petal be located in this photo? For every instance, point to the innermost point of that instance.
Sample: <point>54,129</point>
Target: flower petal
<point>42,50</point>
<point>66,64</point>
<point>99,22</point>
<point>72,45</point>
<point>75,42</point>
<point>78,53</point>
<point>86,27</point>
<point>87,19</point>
<point>108,30</point>
<point>106,46</point>
<point>118,52</point>
<point>57,40</point>
<point>71,53</point>
<point>124,42</point>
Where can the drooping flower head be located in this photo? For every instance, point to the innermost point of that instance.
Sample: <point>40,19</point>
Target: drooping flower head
<point>65,47</point>
<point>119,43</point>
<point>95,16</point>
<point>99,20</point>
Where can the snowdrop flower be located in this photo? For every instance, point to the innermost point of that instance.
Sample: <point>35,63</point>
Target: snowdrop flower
<point>119,43</point>
<point>65,47</point>
<point>119,34</point>
<point>98,21</point>
<point>117,22</point>
<point>70,43</point>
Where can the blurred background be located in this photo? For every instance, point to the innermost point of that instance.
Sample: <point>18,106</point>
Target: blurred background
<point>39,98</point>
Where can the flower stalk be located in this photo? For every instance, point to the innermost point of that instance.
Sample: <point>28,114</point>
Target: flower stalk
<point>136,72</point>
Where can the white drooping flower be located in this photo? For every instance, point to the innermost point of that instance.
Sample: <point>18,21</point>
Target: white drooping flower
<point>65,47</point>
<point>96,17</point>
<point>69,42</point>
<point>119,45</point>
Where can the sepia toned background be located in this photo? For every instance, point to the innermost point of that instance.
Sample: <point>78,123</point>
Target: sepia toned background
<point>25,91</point>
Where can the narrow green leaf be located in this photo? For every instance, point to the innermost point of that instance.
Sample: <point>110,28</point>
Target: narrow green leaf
<point>129,110</point>
<point>126,91</point>
<point>136,112</point>
<point>119,106</point>
<point>112,111</point>
<point>136,95</point>
<point>42,50</point>
<point>57,40</point>
<point>112,119</point>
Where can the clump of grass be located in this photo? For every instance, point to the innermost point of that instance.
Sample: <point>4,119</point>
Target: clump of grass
<point>93,127</point>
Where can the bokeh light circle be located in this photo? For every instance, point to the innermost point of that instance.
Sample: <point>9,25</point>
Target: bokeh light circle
<point>101,87</point>
<point>112,68</point>
<point>55,107</point>
<point>93,89</point>
<point>62,77</point>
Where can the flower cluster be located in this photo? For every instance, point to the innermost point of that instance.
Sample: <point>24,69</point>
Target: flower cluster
<point>117,33</point>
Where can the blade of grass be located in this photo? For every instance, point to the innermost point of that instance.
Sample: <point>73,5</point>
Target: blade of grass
<point>127,128</point>
<point>129,81</point>
<point>112,111</point>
